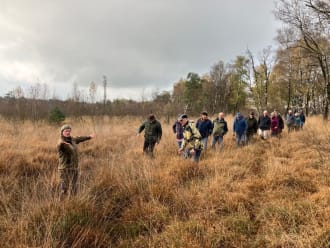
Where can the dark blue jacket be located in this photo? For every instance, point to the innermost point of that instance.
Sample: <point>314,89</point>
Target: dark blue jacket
<point>205,128</point>
<point>264,122</point>
<point>240,125</point>
<point>302,117</point>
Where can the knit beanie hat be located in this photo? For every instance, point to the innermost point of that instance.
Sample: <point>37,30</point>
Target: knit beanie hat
<point>66,126</point>
<point>183,116</point>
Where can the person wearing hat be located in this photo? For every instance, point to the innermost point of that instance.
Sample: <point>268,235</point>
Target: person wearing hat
<point>252,127</point>
<point>152,134</point>
<point>205,128</point>
<point>191,145</point>
<point>68,160</point>
<point>239,128</point>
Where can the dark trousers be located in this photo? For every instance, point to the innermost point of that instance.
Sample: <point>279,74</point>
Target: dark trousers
<point>249,137</point>
<point>148,147</point>
<point>196,155</point>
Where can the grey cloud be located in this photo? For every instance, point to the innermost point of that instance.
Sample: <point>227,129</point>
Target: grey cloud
<point>136,43</point>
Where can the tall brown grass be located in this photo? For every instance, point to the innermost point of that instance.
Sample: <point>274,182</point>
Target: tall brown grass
<point>273,193</point>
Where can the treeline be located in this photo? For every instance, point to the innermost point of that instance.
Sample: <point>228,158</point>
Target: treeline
<point>22,109</point>
<point>295,75</point>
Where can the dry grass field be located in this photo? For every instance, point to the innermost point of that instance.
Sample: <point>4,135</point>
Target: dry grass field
<point>273,193</point>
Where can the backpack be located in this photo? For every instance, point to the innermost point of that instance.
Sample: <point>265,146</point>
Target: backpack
<point>192,139</point>
<point>219,128</point>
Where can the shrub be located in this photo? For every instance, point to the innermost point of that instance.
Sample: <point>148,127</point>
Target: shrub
<point>56,116</point>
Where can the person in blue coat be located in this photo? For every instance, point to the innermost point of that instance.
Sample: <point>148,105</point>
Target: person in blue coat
<point>239,129</point>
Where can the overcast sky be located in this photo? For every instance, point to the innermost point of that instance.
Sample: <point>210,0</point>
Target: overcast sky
<point>140,45</point>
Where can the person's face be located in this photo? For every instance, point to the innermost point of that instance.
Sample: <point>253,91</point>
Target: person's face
<point>66,132</point>
<point>184,121</point>
<point>221,116</point>
<point>204,117</point>
<point>251,116</point>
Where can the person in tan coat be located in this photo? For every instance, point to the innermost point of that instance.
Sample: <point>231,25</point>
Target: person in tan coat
<point>192,145</point>
<point>68,160</point>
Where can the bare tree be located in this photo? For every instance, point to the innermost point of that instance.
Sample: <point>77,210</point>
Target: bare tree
<point>105,85</point>
<point>260,84</point>
<point>92,92</point>
<point>34,93</point>
<point>219,77</point>
<point>19,96</point>
<point>321,7</point>
<point>44,91</point>
<point>75,92</point>
<point>313,35</point>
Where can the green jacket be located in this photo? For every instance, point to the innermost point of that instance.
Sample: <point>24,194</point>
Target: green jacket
<point>68,153</point>
<point>220,127</point>
<point>191,137</point>
<point>153,130</point>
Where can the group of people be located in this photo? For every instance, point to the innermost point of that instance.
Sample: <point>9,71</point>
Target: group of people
<point>191,138</point>
<point>266,126</point>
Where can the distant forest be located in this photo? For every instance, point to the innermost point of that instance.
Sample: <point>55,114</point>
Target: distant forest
<point>294,75</point>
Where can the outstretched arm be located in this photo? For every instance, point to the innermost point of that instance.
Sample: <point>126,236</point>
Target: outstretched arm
<point>141,128</point>
<point>84,138</point>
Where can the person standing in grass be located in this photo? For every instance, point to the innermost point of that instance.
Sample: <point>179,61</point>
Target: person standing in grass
<point>280,121</point>
<point>239,128</point>
<point>191,145</point>
<point>302,118</point>
<point>68,160</point>
<point>252,127</point>
<point>274,124</point>
<point>152,134</point>
<point>205,127</point>
<point>178,130</point>
<point>290,121</point>
<point>297,121</point>
<point>264,125</point>
<point>220,128</point>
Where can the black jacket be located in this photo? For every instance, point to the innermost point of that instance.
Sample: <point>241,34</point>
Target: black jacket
<point>264,122</point>
<point>252,125</point>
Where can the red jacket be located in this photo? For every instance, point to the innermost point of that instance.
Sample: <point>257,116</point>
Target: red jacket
<point>274,125</point>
